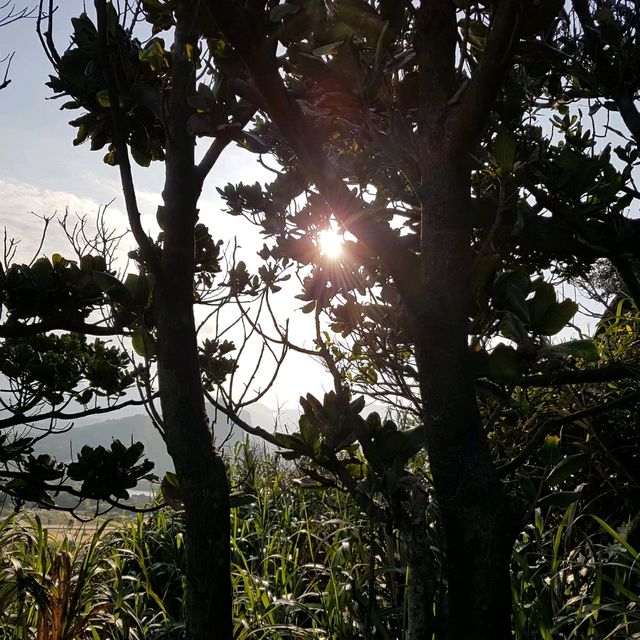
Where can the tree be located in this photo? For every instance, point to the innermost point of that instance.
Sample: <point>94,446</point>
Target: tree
<point>412,126</point>
<point>442,95</point>
<point>432,278</point>
<point>137,100</point>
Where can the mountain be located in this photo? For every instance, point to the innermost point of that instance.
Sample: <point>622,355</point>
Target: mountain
<point>139,428</point>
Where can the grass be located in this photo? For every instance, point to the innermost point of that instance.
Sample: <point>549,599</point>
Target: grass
<point>306,564</point>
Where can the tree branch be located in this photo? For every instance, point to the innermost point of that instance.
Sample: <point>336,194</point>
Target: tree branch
<point>238,421</point>
<point>23,419</point>
<point>120,141</point>
<point>259,56</point>
<point>71,491</point>
<point>622,96</point>
<point>553,423</point>
<point>470,116</point>
<point>608,373</point>
<point>20,330</point>
<point>216,148</point>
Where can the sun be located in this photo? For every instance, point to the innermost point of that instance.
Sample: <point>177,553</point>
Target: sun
<point>331,243</point>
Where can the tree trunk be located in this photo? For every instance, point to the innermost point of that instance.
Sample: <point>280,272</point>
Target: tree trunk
<point>421,578</point>
<point>200,471</point>
<point>476,517</point>
<point>199,468</point>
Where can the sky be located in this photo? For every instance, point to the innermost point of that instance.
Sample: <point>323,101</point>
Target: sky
<point>42,173</point>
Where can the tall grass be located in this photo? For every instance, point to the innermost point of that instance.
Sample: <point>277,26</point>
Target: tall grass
<point>306,564</point>
<point>576,578</point>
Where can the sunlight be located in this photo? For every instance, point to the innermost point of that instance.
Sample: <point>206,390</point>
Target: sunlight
<point>331,243</point>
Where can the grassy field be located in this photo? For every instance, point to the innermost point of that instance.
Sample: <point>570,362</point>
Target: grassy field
<point>305,565</point>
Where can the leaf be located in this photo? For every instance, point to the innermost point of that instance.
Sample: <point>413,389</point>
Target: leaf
<point>504,364</point>
<point>109,284</point>
<point>308,431</point>
<point>327,49</point>
<point>357,405</point>
<point>482,274</point>
<point>142,343</point>
<point>515,301</point>
<point>510,290</point>
<point>561,499</point>
<point>402,445</point>
<point>170,489</point>
<point>252,143</point>
<point>414,440</point>
<point>140,155</point>
<point>102,98</point>
<point>585,349</point>
<point>241,499</point>
<point>161,216</point>
<point>550,451</point>
<point>616,536</point>
<point>567,467</point>
<point>138,288</point>
<point>292,442</point>
<point>542,300</point>
<point>556,318</point>
<point>504,150</point>
<point>511,327</point>
<point>527,487</point>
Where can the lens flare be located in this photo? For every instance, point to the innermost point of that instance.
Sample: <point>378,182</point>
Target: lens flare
<point>331,243</point>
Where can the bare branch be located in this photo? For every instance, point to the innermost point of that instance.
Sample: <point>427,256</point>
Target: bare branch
<point>6,81</point>
<point>623,96</point>
<point>238,421</point>
<point>46,36</point>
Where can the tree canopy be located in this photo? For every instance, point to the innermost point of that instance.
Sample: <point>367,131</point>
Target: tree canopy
<point>472,155</point>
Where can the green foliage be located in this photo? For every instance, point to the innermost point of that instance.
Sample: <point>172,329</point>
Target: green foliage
<point>304,563</point>
<point>542,205</point>
<point>52,288</point>
<point>51,366</point>
<point>105,472</point>
<point>81,78</point>
<point>572,583</point>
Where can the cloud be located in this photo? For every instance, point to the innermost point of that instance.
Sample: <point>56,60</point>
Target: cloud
<point>23,207</point>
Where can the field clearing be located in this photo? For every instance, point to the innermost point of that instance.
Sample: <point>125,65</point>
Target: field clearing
<point>61,525</point>
<point>81,532</point>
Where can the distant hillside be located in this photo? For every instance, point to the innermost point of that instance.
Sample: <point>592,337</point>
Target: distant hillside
<point>138,428</point>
